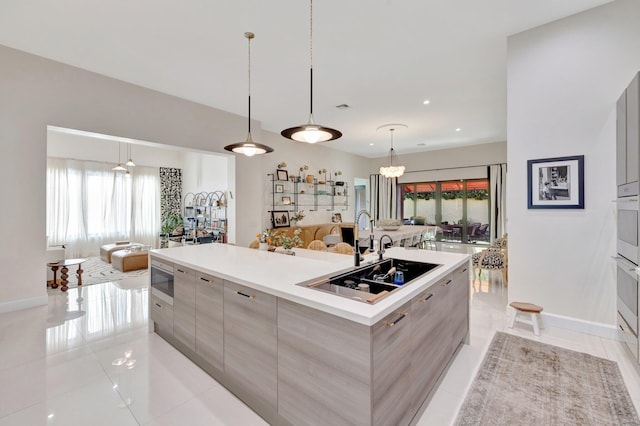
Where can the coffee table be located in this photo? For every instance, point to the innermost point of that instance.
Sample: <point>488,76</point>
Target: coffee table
<point>64,264</point>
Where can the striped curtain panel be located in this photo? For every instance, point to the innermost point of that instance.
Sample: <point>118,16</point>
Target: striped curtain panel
<point>384,197</point>
<point>498,191</point>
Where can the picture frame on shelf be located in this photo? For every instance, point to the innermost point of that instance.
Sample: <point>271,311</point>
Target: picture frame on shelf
<point>337,218</point>
<point>282,174</point>
<point>279,188</point>
<point>286,201</point>
<point>556,183</point>
<point>280,218</point>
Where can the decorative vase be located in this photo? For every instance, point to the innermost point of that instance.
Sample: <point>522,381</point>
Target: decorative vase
<point>263,246</point>
<point>309,178</point>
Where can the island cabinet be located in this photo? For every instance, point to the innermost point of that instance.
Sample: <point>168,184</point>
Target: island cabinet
<point>459,300</point>
<point>324,367</point>
<point>184,306</point>
<point>250,345</point>
<point>335,371</point>
<point>209,319</point>
<point>391,365</point>
<point>430,338</point>
<point>161,314</point>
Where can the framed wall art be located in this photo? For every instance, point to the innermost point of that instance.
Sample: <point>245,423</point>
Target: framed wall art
<point>280,219</point>
<point>282,174</point>
<point>556,183</point>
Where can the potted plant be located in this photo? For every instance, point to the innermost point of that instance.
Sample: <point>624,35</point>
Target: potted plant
<point>287,242</point>
<point>297,217</point>
<point>169,225</point>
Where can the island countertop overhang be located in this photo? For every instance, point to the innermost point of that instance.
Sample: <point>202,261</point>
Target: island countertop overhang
<point>279,274</point>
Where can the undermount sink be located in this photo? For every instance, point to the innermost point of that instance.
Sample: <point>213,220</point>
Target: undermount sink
<point>371,283</point>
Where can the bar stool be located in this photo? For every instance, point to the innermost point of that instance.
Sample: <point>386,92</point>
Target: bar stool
<point>529,309</point>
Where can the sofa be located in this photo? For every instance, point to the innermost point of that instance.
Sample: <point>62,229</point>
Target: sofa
<point>107,250</point>
<point>314,232</point>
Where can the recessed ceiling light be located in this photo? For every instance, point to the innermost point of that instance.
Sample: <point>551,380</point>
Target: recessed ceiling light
<point>371,144</point>
<point>458,129</point>
<point>426,102</point>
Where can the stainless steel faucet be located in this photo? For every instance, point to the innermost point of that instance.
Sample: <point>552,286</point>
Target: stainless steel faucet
<point>381,247</point>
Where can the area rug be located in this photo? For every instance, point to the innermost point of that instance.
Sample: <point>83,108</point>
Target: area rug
<point>523,382</point>
<point>96,271</point>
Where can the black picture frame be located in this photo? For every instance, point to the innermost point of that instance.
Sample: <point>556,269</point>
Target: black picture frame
<point>556,183</point>
<point>280,219</point>
<point>282,174</point>
<point>279,188</point>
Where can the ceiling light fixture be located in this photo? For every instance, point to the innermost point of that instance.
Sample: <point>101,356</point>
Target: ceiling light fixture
<point>311,132</point>
<point>427,102</point>
<point>249,147</point>
<point>130,162</point>
<point>118,167</point>
<point>391,171</point>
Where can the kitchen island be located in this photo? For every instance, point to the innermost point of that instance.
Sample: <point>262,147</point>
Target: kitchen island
<point>297,355</point>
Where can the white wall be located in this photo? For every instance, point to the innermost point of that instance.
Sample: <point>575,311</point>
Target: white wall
<point>40,92</point>
<point>80,147</point>
<point>475,155</point>
<point>563,82</point>
<point>204,173</point>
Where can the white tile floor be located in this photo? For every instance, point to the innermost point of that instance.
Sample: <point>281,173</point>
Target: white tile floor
<point>88,359</point>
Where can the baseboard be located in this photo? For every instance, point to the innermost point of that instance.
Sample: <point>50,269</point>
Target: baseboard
<point>582,326</point>
<point>18,305</point>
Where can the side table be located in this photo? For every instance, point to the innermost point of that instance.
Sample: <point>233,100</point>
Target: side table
<point>64,264</point>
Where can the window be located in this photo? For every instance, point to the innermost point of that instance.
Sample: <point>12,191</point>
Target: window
<point>459,207</point>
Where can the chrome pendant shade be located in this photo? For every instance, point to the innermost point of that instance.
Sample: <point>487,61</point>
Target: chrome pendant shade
<point>249,147</point>
<point>311,132</point>
<point>391,171</point>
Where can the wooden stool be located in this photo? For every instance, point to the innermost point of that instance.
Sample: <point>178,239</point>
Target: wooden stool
<point>527,308</point>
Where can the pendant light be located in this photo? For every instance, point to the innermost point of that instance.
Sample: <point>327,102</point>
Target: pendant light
<point>391,171</point>
<point>311,132</point>
<point>130,162</point>
<point>118,167</point>
<point>249,147</point>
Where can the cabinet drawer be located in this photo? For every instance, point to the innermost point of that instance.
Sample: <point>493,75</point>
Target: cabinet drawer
<point>184,306</point>
<point>209,319</point>
<point>250,341</point>
<point>392,368</point>
<point>162,315</point>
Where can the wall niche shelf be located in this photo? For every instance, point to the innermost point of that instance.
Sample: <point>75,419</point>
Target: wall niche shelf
<point>205,217</point>
<point>296,194</point>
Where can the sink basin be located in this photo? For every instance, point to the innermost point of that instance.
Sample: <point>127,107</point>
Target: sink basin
<point>373,282</point>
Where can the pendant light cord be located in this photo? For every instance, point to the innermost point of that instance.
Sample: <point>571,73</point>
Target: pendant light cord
<point>391,152</point>
<point>311,59</point>
<point>249,36</point>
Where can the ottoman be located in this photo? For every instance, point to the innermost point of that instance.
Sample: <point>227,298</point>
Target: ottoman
<point>108,249</point>
<point>130,260</point>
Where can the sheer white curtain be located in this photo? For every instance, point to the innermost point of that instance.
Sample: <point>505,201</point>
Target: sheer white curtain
<point>89,205</point>
<point>384,197</point>
<point>498,191</point>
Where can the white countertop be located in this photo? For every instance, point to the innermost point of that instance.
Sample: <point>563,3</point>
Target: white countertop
<point>278,274</point>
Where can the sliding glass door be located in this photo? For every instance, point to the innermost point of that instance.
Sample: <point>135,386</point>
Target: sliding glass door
<point>459,207</point>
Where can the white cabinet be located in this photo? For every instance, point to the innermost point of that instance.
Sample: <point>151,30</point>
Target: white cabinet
<point>209,319</point>
<point>250,343</point>
<point>628,134</point>
<point>184,306</point>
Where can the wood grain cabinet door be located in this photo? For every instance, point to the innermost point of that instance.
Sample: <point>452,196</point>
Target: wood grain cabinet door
<point>391,396</point>
<point>459,306</point>
<point>250,342</point>
<point>430,339</point>
<point>324,368</point>
<point>184,306</point>
<point>162,315</point>
<point>209,319</point>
